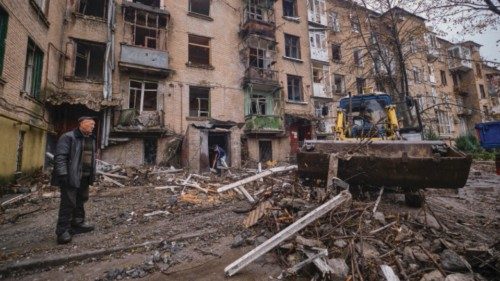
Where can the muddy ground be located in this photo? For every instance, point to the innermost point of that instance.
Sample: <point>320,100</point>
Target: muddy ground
<point>193,241</point>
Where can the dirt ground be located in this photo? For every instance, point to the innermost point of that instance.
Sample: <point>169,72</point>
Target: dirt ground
<point>193,241</point>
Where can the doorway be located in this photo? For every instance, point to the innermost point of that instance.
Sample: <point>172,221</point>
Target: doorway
<point>150,151</point>
<point>265,151</point>
<point>222,140</point>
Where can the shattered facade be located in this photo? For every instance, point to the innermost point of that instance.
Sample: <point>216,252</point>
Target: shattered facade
<point>255,77</point>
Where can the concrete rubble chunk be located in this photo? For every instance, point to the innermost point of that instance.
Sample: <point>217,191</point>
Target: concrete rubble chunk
<point>340,269</point>
<point>380,217</point>
<point>452,261</point>
<point>367,250</point>
<point>429,220</point>
<point>340,243</point>
<point>309,242</point>
<point>433,276</point>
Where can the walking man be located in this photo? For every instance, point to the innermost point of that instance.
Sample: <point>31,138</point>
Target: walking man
<point>74,171</point>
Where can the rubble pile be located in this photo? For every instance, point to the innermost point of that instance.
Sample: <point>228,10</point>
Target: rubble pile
<point>356,241</point>
<point>314,233</point>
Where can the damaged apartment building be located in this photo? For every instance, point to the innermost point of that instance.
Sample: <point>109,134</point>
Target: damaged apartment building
<point>167,80</point>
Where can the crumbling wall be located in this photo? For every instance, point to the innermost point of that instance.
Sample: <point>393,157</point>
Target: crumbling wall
<point>128,154</point>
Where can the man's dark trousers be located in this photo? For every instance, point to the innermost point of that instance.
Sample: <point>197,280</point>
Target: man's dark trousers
<point>71,208</point>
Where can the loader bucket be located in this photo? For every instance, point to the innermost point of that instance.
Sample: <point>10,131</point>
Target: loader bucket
<point>410,165</point>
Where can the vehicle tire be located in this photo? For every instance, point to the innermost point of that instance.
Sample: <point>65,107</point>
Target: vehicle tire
<point>414,199</point>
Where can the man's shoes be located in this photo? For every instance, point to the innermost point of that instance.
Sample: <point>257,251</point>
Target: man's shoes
<point>81,228</point>
<point>64,238</point>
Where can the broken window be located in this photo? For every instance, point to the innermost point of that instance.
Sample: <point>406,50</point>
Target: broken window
<point>258,105</point>
<point>199,105</point>
<point>143,95</point>
<point>95,8</point>
<point>336,54</point>
<point>199,50</point>
<point>33,70</point>
<point>443,78</point>
<point>358,59</point>
<point>294,87</point>
<point>257,58</point>
<point>356,27</point>
<point>152,3</point>
<point>292,46</point>
<point>146,27</point>
<point>482,92</point>
<point>334,23</point>
<point>89,61</point>
<point>360,85</point>
<point>338,83</point>
<point>4,17</point>
<point>201,7</point>
<point>444,122</point>
<point>478,70</point>
<point>290,8</point>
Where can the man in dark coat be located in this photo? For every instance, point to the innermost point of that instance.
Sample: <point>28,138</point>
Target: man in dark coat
<point>74,171</point>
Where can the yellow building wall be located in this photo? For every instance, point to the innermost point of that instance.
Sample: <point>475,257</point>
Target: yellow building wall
<point>33,149</point>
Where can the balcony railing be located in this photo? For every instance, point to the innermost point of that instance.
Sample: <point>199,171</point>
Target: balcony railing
<point>319,54</point>
<point>262,124</point>
<point>143,58</point>
<point>261,76</point>
<point>134,122</point>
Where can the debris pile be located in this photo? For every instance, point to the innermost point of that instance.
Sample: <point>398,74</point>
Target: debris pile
<point>355,241</point>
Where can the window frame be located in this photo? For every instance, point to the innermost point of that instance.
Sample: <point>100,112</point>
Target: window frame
<point>142,92</point>
<point>358,57</point>
<point>444,80</point>
<point>482,91</point>
<point>33,70</point>
<point>195,45</point>
<point>88,45</point>
<point>190,9</point>
<point>294,91</point>
<point>294,7</point>
<point>4,25</point>
<point>289,38</point>
<point>200,113</point>
<point>339,46</point>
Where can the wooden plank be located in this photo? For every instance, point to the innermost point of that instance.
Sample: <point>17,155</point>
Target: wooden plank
<point>286,233</point>
<point>113,175</point>
<point>247,195</point>
<point>106,178</point>
<point>256,177</point>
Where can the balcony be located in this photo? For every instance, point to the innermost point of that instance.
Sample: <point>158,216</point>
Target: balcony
<point>460,90</point>
<point>259,19</point>
<point>319,54</point>
<point>432,54</point>
<point>261,79</point>
<point>321,90</point>
<point>316,13</point>
<point>133,122</point>
<point>144,60</point>
<point>264,124</point>
<point>460,59</point>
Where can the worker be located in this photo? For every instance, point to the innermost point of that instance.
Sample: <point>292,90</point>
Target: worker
<point>74,171</point>
<point>219,159</point>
